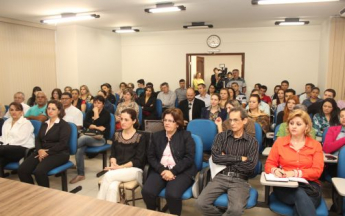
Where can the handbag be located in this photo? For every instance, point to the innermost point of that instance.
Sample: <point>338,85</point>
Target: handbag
<point>97,134</point>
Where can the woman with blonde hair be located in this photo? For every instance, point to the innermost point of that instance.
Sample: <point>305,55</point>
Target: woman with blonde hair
<point>258,115</point>
<point>85,94</point>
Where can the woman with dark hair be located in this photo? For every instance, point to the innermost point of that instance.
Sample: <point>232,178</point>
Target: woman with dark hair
<point>232,94</point>
<point>148,104</point>
<point>52,149</point>
<point>96,119</point>
<point>327,116</point>
<point>211,90</point>
<point>107,105</point>
<point>279,99</point>
<point>171,156</point>
<point>17,137</point>
<point>213,111</point>
<point>275,92</point>
<point>335,137</point>
<point>224,97</point>
<point>32,100</point>
<point>122,87</point>
<point>56,94</point>
<point>257,86</point>
<point>77,102</point>
<point>290,103</point>
<point>110,96</point>
<point>256,114</point>
<point>127,151</point>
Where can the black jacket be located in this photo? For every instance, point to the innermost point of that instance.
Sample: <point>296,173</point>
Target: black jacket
<point>197,107</point>
<point>149,108</point>
<point>182,148</point>
<point>56,139</point>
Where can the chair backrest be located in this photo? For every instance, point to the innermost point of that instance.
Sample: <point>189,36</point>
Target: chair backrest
<point>117,96</point>
<point>73,139</point>
<point>114,108</point>
<point>275,132</point>
<point>88,107</point>
<point>140,115</point>
<point>198,151</point>
<point>112,126</point>
<point>341,163</point>
<point>324,134</point>
<point>154,125</point>
<point>6,107</point>
<point>258,135</point>
<point>205,129</point>
<point>159,108</point>
<point>37,126</point>
<point>275,116</point>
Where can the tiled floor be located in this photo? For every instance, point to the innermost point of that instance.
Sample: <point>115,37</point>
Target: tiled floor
<point>90,188</point>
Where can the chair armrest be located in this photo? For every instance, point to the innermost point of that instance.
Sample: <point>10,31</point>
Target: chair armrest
<point>146,172</point>
<point>204,178</point>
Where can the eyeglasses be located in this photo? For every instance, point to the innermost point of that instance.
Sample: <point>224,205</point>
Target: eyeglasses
<point>168,121</point>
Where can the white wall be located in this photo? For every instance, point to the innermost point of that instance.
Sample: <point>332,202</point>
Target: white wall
<point>88,56</point>
<point>324,54</point>
<point>272,54</point>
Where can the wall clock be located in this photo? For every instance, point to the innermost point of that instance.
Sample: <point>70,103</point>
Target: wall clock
<point>213,41</point>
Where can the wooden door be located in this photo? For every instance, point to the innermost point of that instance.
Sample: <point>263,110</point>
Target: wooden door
<point>200,66</point>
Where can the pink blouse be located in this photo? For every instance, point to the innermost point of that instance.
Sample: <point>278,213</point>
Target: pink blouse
<point>167,159</point>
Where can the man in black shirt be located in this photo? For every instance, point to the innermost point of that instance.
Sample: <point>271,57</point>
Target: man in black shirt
<point>239,152</point>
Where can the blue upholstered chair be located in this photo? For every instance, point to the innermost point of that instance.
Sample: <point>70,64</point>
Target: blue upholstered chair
<point>88,107</point>
<point>140,115</point>
<point>258,136</point>
<point>324,135</point>
<point>275,132</point>
<point>206,130</point>
<point>198,162</point>
<point>159,108</point>
<point>103,149</point>
<point>15,165</point>
<point>117,96</point>
<point>73,143</point>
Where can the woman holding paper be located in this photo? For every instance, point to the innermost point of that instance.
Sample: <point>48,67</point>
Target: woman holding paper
<point>298,155</point>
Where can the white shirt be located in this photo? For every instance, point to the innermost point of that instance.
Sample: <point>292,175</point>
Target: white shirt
<point>73,115</point>
<point>21,134</point>
<point>57,120</point>
<point>190,111</point>
<point>206,99</point>
<point>25,109</point>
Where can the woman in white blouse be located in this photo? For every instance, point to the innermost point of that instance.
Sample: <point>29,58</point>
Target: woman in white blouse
<point>17,136</point>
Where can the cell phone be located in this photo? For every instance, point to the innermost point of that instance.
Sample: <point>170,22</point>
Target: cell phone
<point>330,157</point>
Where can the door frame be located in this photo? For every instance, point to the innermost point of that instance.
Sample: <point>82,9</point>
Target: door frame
<point>188,55</point>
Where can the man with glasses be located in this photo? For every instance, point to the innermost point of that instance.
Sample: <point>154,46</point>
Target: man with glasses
<point>239,152</point>
<point>38,112</point>
<point>72,114</point>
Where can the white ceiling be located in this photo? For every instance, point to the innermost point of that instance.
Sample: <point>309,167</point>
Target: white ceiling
<point>220,13</point>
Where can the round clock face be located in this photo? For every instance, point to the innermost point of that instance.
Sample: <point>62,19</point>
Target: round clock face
<point>213,41</point>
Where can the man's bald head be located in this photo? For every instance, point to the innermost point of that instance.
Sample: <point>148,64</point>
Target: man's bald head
<point>190,94</point>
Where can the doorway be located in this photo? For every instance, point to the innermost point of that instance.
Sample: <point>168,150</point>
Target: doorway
<point>205,62</point>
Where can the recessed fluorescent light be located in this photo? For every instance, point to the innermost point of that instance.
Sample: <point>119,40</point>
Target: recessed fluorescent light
<point>165,7</point>
<point>198,25</point>
<point>70,18</point>
<point>291,22</point>
<point>126,29</point>
<point>268,2</point>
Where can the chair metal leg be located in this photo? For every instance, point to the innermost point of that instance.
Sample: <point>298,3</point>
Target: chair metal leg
<point>104,164</point>
<point>133,197</point>
<point>64,181</point>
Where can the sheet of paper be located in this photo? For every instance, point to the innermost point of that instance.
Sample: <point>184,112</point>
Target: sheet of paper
<point>215,168</point>
<point>272,177</point>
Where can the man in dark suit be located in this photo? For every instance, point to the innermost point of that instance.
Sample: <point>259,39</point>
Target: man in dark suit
<point>191,107</point>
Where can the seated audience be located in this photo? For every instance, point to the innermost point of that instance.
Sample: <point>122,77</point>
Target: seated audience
<point>148,105</point>
<point>258,115</point>
<point>131,87</point>
<point>72,114</point>
<point>85,94</point>
<point>249,127</point>
<point>127,158</point>
<point>335,137</point>
<point>315,107</point>
<point>224,97</point>
<point>263,106</point>
<point>257,86</point>
<point>122,87</point>
<point>18,97</point>
<point>181,91</point>
<point>214,111</point>
<point>128,96</point>
<point>232,93</point>
<point>191,107</point>
<point>38,112</point>
<point>290,103</point>
<point>314,97</point>
<point>32,100</point>
<point>279,99</point>
<point>77,102</point>
<point>96,119</point>
<point>327,116</point>
<point>203,95</point>
<point>171,157</point>
<point>167,97</point>
<point>52,148</point>
<point>240,81</point>
<point>282,163</point>
<point>196,81</point>
<point>68,89</point>
<point>211,90</point>
<point>141,85</point>
<point>110,96</point>
<point>56,94</point>
<point>17,136</point>
<point>275,96</point>
<point>263,96</point>
<point>239,152</point>
<point>241,97</point>
<point>307,90</point>
<point>282,132</point>
<point>287,93</point>
<point>107,105</point>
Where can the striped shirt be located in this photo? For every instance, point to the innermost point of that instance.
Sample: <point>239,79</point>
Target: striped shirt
<point>234,149</point>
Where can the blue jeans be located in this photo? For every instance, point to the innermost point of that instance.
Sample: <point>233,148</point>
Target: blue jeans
<point>304,205</point>
<point>83,143</point>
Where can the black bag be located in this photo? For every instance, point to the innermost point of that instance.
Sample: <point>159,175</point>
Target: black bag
<point>97,134</point>
<point>311,189</point>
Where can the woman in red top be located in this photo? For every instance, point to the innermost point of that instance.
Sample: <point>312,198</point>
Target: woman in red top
<point>298,155</point>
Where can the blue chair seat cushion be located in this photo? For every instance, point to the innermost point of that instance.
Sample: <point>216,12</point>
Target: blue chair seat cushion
<point>61,168</point>
<point>186,195</point>
<point>12,166</point>
<point>222,200</point>
<point>284,209</point>
<point>97,149</point>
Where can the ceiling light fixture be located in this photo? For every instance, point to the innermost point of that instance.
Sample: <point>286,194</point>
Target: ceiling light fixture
<point>291,22</point>
<point>165,7</point>
<point>198,25</point>
<point>268,2</point>
<point>70,17</point>
<point>126,29</point>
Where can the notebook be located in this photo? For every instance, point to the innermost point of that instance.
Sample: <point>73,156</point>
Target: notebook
<point>272,177</point>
